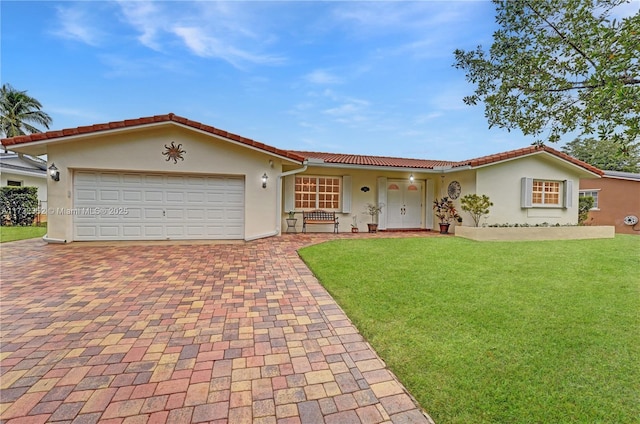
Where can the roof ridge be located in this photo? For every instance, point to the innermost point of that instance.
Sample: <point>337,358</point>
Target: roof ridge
<point>128,123</point>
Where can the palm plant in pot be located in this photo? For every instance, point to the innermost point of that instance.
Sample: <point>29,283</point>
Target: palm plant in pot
<point>373,210</point>
<point>446,212</point>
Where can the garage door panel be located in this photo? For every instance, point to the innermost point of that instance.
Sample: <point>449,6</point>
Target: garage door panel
<point>132,179</point>
<point>136,206</point>
<point>153,213</point>
<point>86,231</point>
<point>175,180</point>
<point>175,197</point>
<point>109,195</point>
<point>196,214</point>
<point>175,231</point>
<point>131,196</point>
<point>86,177</point>
<point>131,231</point>
<point>109,231</point>
<point>90,195</point>
<point>153,196</point>
<point>105,177</point>
<point>132,214</point>
<point>175,214</point>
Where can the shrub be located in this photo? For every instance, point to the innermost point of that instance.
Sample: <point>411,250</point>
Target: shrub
<point>477,206</point>
<point>585,203</point>
<point>18,205</point>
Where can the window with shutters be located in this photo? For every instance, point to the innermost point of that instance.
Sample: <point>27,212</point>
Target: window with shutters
<point>316,192</point>
<point>546,193</point>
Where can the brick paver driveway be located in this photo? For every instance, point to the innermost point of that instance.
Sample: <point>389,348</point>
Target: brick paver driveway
<point>154,333</point>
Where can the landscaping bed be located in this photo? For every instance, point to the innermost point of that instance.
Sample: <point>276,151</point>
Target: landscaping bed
<point>535,233</point>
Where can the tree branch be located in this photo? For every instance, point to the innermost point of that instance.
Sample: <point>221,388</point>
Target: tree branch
<point>578,86</point>
<point>564,38</point>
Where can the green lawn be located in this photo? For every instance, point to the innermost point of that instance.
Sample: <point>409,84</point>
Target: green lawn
<point>517,332</point>
<point>22,233</point>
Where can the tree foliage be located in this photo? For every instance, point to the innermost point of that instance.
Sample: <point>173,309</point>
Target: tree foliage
<point>18,112</point>
<point>18,205</point>
<point>559,66</point>
<point>477,206</point>
<point>605,154</point>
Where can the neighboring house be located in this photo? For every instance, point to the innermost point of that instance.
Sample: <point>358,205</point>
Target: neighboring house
<point>616,196</point>
<point>20,170</point>
<point>166,177</point>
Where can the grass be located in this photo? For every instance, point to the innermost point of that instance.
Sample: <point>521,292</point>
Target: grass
<point>22,233</point>
<point>517,332</point>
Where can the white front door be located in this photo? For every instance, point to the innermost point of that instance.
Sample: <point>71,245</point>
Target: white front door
<point>404,204</point>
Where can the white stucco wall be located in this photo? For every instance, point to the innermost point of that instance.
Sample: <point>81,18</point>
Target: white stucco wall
<point>359,199</point>
<point>141,150</point>
<point>502,183</point>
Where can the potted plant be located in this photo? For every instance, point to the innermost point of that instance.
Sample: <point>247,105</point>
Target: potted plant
<point>354,226</point>
<point>373,210</point>
<point>446,212</point>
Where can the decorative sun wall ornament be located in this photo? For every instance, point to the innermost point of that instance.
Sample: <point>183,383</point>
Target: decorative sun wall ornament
<point>174,152</point>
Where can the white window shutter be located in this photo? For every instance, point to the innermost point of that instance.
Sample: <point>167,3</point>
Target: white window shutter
<point>346,193</point>
<point>526,194</point>
<point>568,193</point>
<point>289,193</point>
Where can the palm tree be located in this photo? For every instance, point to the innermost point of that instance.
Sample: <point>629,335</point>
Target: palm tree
<point>18,111</point>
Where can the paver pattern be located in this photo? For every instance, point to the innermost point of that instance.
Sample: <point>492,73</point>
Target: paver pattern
<point>180,333</point>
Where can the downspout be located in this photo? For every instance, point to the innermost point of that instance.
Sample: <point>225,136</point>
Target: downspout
<point>53,240</point>
<point>279,194</point>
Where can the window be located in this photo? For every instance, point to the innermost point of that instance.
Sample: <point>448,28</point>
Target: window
<point>590,193</point>
<point>12,183</point>
<point>546,192</point>
<point>317,192</point>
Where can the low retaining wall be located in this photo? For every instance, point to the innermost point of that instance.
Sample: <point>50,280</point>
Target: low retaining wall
<point>535,233</point>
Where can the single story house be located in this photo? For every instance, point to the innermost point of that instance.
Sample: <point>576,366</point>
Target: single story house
<point>166,177</point>
<point>616,201</point>
<point>18,170</point>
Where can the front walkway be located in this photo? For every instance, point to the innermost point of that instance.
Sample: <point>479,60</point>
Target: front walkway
<point>178,333</point>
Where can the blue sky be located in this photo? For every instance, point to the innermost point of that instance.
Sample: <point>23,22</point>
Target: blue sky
<point>349,77</point>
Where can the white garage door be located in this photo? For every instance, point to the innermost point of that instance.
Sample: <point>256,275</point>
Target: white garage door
<point>134,206</point>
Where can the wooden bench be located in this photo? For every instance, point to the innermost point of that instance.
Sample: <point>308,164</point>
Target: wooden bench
<point>319,217</point>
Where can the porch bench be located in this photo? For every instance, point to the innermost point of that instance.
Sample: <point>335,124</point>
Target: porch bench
<point>319,217</point>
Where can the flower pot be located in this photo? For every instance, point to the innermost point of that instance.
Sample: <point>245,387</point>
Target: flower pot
<point>444,228</point>
<point>373,228</point>
<point>354,229</point>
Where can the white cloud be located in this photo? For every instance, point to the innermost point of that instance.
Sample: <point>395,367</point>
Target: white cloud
<point>205,45</point>
<point>146,18</point>
<point>323,77</point>
<point>75,23</point>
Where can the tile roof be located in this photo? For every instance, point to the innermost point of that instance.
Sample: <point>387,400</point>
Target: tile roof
<point>336,158</point>
<point>367,160</point>
<point>129,123</point>
<point>383,161</point>
<point>499,157</point>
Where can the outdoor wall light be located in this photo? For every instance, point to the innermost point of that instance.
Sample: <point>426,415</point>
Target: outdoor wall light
<point>411,178</point>
<point>54,172</point>
<point>264,180</point>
